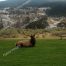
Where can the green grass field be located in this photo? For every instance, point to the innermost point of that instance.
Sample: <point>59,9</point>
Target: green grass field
<point>46,53</point>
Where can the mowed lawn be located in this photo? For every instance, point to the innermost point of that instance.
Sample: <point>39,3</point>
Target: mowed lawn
<point>46,53</point>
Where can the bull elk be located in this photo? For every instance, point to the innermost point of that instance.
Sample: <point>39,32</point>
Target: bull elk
<point>30,43</point>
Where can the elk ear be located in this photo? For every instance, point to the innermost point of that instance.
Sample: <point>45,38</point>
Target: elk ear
<point>34,35</point>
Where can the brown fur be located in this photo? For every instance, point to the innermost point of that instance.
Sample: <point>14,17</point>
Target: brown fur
<point>28,43</point>
<point>25,44</point>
